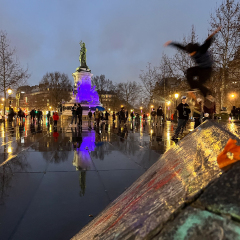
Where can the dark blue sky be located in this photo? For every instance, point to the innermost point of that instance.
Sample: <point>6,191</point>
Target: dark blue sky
<point>121,37</point>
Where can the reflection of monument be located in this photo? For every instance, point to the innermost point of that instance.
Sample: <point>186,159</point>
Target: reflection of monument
<point>83,92</point>
<point>82,159</point>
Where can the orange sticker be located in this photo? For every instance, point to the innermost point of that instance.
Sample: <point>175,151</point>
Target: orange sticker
<point>229,155</point>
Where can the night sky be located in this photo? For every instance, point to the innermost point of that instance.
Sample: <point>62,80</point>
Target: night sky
<point>121,37</point>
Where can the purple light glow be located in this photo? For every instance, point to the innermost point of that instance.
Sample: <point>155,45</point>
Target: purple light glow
<point>85,92</point>
<point>83,156</point>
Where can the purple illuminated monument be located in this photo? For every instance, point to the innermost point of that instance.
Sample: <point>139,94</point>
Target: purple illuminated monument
<point>86,93</point>
<point>83,92</point>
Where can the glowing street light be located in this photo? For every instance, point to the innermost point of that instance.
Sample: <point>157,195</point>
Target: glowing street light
<point>176,96</point>
<point>3,99</point>
<point>233,97</point>
<point>9,91</point>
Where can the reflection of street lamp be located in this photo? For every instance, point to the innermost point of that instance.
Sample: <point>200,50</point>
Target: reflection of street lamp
<point>176,96</point>
<point>168,103</point>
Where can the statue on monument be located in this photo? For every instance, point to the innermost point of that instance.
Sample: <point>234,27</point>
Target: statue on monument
<point>83,58</point>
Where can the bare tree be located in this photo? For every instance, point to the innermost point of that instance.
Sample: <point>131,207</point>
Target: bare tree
<point>129,92</point>
<point>226,45</point>
<point>59,87</point>
<point>102,85</point>
<point>11,74</point>
<point>149,80</point>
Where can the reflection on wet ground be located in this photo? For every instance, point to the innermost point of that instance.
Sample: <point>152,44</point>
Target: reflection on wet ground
<point>54,179</point>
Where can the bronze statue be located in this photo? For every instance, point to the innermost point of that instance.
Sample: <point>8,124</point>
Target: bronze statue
<point>83,58</point>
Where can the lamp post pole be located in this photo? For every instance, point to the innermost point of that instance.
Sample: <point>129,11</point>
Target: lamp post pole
<point>176,96</point>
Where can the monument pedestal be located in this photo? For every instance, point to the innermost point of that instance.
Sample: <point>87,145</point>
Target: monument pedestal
<point>83,93</point>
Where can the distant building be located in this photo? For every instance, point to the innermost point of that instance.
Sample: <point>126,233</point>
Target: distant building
<point>38,97</point>
<point>108,100</point>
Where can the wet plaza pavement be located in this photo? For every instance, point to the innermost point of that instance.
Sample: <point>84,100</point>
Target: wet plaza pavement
<point>53,183</point>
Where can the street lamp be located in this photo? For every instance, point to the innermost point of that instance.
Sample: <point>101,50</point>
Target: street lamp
<point>176,96</point>
<point>233,97</point>
<point>9,91</point>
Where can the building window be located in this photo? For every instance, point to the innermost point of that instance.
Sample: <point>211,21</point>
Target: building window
<point>47,100</point>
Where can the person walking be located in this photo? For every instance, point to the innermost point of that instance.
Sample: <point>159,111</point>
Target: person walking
<point>183,116</point>
<point>233,113</point>
<point>55,119</point>
<point>132,115</point>
<point>159,115</point>
<point>202,58</point>
<point>106,116</point>
<point>97,117</point>
<point>153,114</point>
<point>79,113</point>
<point>48,116</point>
<point>89,118</point>
<point>197,111</point>
<point>126,115</point>
<point>20,114</point>
<point>114,116</point>
<point>144,117</point>
<point>33,114</point>
<point>74,114</point>
<point>39,116</point>
<point>122,116</point>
